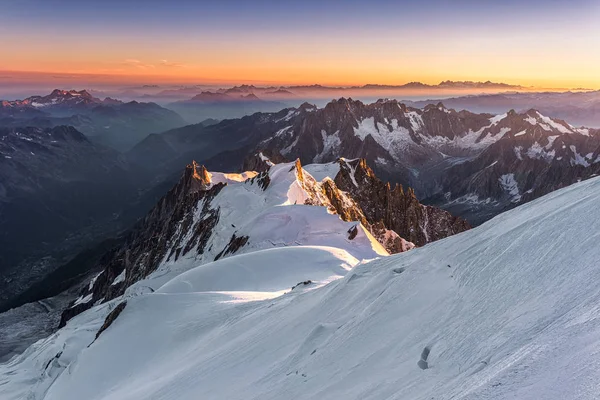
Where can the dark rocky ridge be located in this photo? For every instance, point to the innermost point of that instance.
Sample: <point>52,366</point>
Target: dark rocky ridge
<point>160,235</point>
<point>398,210</point>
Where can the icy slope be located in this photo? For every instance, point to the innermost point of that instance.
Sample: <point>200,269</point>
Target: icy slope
<point>212,215</point>
<point>264,271</point>
<point>508,310</point>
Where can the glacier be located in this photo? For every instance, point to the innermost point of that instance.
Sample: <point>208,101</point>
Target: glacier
<point>510,309</point>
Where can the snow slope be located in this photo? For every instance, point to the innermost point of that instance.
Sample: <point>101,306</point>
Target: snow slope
<point>275,217</point>
<point>265,271</point>
<point>508,310</point>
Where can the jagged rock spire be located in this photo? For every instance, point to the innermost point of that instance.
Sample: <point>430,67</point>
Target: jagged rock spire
<point>196,177</point>
<point>398,209</point>
<point>299,173</point>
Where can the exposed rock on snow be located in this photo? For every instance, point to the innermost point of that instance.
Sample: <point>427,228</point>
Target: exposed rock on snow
<point>434,150</point>
<point>399,211</point>
<point>506,310</point>
<point>211,215</point>
<point>111,317</point>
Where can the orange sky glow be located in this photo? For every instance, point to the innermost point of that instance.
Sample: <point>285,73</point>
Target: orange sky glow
<point>511,43</point>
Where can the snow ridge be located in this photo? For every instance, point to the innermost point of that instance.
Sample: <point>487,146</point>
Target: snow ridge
<point>506,310</point>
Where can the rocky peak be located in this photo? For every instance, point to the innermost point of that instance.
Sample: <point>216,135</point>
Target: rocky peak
<point>398,210</point>
<point>210,96</point>
<point>167,232</point>
<point>110,100</point>
<point>343,105</point>
<point>299,173</point>
<point>240,89</point>
<point>307,107</point>
<point>439,107</point>
<point>196,178</point>
<point>58,92</point>
<point>250,96</point>
<point>388,101</point>
<point>262,160</point>
<point>532,112</point>
<point>71,93</point>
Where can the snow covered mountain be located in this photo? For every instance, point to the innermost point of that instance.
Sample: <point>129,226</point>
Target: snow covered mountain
<point>578,107</point>
<point>537,155</point>
<point>58,98</point>
<point>111,122</point>
<point>506,310</point>
<point>208,216</point>
<point>440,152</point>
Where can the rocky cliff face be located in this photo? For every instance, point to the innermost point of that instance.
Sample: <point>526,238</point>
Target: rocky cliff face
<point>327,194</point>
<point>159,236</point>
<point>536,156</point>
<point>398,210</point>
<point>208,216</point>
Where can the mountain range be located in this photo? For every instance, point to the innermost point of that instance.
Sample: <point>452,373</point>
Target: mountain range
<point>579,108</point>
<point>221,105</point>
<point>74,192</point>
<point>302,89</point>
<point>475,164</point>
<point>296,94</point>
<point>288,257</point>
<point>209,215</point>
<point>111,122</point>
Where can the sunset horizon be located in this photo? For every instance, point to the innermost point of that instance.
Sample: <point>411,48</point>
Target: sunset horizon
<point>336,44</point>
<point>79,79</point>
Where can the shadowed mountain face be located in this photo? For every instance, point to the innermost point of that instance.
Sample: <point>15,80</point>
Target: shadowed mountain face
<point>59,192</point>
<point>475,164</point>
<point>111,122</point>
<point>227,104</point>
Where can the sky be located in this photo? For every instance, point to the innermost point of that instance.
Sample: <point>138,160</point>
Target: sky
<point>538,43</point>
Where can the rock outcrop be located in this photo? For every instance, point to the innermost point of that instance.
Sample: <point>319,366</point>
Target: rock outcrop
<point>160,235</point>
<point>438,151</point>
<point>398,210</point>
<point>187,222</point>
